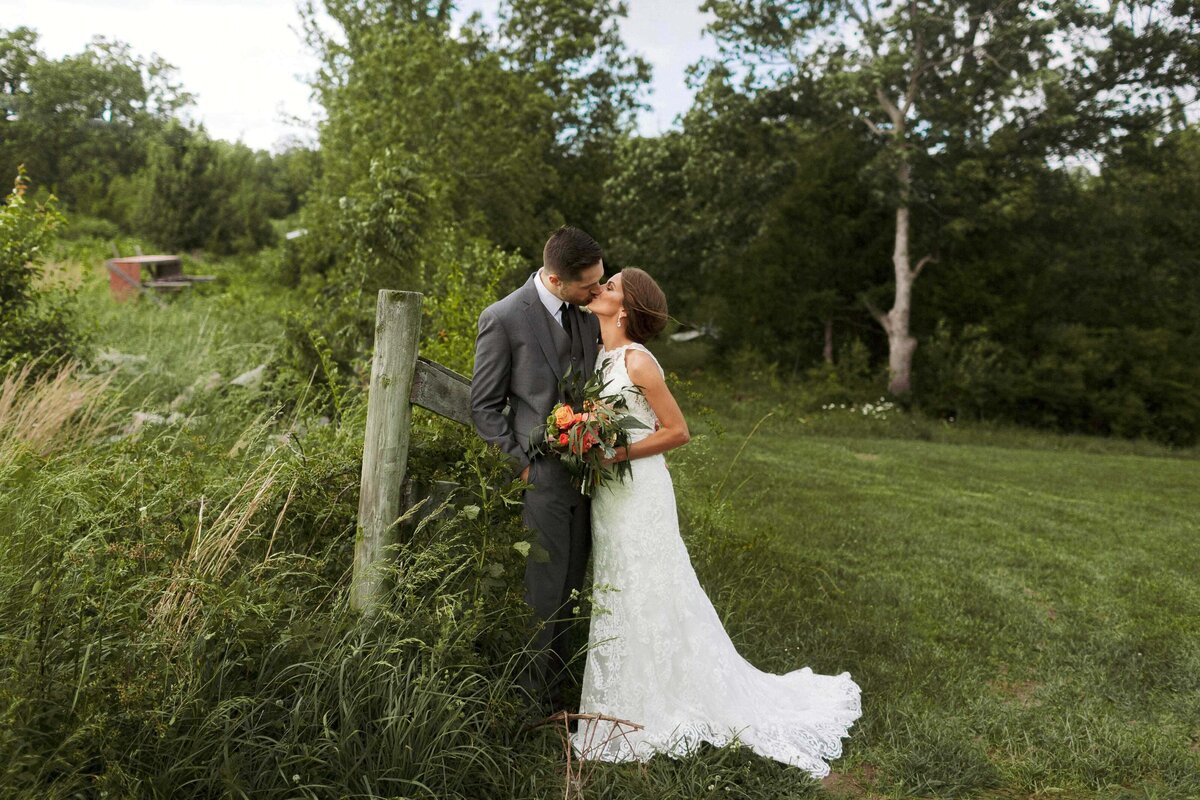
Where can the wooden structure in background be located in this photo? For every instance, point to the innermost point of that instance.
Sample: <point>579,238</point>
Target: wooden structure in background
<point>129,276</point>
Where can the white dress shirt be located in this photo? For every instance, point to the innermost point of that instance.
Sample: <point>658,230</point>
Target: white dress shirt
<point>552,303</point>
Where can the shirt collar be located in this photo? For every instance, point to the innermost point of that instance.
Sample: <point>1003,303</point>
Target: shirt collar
<point>552,303</point>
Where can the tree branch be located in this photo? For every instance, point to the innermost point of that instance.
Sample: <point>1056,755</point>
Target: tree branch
<point>929,259</point>
<point>879,316</point>
<point>892,111</point>
<point>878,131</point>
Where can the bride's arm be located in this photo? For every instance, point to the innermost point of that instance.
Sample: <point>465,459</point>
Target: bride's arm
<point>673,430</point>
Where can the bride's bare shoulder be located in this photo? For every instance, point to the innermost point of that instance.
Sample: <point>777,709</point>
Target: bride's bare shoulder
<point>641,363</point>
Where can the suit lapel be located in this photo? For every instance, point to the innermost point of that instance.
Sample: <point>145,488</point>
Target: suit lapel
<point>540,322</point>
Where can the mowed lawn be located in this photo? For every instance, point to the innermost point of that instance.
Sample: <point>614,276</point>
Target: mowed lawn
<point>1023,622</point>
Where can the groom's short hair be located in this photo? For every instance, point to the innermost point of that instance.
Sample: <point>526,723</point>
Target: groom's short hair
<point>569,251</point>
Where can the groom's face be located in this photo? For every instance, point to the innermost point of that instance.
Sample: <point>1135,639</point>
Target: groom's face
<point>582,291</point>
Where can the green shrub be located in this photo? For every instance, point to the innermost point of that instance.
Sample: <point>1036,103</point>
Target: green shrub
<point>1128,382</point>
<point>39,324</point>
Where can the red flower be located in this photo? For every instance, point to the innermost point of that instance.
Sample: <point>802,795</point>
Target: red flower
<point>563,439</point>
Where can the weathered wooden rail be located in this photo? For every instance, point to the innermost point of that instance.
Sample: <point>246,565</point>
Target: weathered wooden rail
<point>400,379</point>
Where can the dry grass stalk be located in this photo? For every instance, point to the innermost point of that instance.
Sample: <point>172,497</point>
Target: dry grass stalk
<point>214,550</point>
<point>55,410</point>
<point>577,769</point>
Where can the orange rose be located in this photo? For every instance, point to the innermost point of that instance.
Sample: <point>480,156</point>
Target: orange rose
<point>563,416</point>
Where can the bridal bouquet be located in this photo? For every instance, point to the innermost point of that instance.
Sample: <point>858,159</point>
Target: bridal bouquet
<point>583,437</point>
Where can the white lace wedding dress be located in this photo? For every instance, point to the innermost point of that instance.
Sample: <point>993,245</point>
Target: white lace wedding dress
<point>658,654</point>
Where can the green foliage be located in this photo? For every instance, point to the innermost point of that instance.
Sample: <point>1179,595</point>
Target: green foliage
<point>454,138</point>
<point>465,279</point>
<point>328,340</point>
<point>821,244</point>
<point>574,52</point>
<point>501,135</point>
<point>176,620</point>
<point>195,193</point>
<point>686,205</point>
<point>136,664</point>
<point>39,323</point>
<point>1127,382</point>
<point>771,210</point>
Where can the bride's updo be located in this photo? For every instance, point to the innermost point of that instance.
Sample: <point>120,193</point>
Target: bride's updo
<point>644,303</point>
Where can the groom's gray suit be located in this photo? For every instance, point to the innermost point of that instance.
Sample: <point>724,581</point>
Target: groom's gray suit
<point>521,356</point>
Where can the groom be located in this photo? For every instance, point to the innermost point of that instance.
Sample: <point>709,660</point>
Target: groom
<point>529,345</point>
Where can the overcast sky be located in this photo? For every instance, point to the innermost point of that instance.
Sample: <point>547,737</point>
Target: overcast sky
<point>245,62</point>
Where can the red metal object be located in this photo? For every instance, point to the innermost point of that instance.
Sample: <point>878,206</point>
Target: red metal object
<point>125,273</point>
<point>124,279</point>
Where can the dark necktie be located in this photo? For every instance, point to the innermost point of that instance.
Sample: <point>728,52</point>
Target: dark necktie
<point>566,319</point>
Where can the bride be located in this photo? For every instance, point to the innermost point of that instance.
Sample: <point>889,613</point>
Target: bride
<point>658,655</point>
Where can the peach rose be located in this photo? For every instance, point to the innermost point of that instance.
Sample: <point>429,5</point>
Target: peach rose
<point>563,416</point>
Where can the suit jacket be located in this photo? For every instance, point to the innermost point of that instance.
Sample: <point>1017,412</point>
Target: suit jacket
<point>521,355</point>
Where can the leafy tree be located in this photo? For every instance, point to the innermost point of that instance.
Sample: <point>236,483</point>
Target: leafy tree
<point>819,245</point>
<point>935,81</point>
<point>172,193</point>
<point>80,121</point>
<point>498,135</point>
<point>423,126</point>
<point>574,52</point>
<point>686,205</point>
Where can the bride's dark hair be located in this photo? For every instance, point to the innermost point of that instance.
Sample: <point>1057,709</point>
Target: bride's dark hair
<point>645,305</point>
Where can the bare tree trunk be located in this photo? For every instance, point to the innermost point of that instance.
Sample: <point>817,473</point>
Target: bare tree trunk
<point>828,352</point>
<point>901,343</point>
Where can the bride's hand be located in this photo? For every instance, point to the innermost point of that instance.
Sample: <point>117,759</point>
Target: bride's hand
<point>619,454</point>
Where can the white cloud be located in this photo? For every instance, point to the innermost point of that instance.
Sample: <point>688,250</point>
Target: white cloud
<point>667,33</point>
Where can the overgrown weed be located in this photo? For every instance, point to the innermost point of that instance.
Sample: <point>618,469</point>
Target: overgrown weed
<point>51,409</point>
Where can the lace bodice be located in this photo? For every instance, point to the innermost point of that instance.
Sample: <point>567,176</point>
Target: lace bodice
<point>615,372</point>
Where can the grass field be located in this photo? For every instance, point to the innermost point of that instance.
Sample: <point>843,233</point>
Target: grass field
<point>1021,609</point>
<point>1023,620</point>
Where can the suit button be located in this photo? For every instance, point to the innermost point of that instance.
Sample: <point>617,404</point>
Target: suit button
<point>574,359</point>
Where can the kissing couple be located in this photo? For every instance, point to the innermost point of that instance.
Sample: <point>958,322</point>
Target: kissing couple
<point>657,653</point>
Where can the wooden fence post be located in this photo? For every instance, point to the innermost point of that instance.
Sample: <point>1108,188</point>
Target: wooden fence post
<point>385,448</point>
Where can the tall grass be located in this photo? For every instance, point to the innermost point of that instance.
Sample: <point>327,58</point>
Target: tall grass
<point>48,410</point>
<point>168,633</point>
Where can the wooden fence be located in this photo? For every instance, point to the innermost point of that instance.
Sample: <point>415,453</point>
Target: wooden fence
<point>400,379</point>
